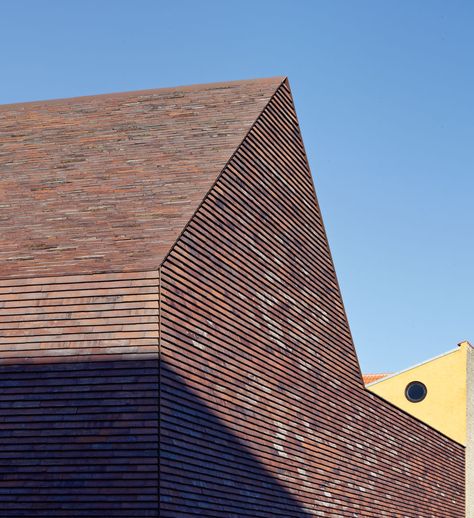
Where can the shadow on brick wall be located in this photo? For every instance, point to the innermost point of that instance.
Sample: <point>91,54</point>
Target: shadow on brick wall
<point>79,439</point>
<point>205,469</point>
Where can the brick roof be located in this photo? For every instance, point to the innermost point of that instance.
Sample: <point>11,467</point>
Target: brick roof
<point>107,183</point>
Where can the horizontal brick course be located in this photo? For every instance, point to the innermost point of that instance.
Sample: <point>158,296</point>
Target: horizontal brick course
<point>79,396</point>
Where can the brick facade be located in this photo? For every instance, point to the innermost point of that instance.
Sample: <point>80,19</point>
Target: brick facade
<point>166,285</point>
<point>78,396</point>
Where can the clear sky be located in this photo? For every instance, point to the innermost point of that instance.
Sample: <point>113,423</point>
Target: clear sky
<point>384,92</point>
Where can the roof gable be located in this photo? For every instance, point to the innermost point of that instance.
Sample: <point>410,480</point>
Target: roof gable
<point>107,183</point>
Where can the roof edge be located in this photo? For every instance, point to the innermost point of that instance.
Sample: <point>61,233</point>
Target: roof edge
<point>147,91</point>
<point>451,351</point>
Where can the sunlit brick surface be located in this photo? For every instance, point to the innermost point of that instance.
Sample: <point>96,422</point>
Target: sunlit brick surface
<point>264,412</point>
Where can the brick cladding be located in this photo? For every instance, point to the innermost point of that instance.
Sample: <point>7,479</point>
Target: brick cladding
<point>263,409</point>
<point>79,396</point>
<point>106,183</point>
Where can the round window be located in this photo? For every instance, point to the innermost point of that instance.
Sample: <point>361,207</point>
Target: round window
<point>416,391</point>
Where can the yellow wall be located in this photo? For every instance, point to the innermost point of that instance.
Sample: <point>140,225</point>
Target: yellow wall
<point>444,406</point>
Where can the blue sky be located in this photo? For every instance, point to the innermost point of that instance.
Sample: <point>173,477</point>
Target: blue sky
<point>384,93</point>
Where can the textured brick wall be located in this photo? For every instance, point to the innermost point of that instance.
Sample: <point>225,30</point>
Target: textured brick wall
<point>78,396</point>
<point>263,410</point>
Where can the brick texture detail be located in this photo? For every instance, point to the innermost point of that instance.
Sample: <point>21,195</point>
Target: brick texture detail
<point>107,183</point>
<point>263,409</point>
<point>78,396</point>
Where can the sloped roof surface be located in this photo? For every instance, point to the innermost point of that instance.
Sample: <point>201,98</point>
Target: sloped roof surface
<point>370,378</point>
<point>107,183</point>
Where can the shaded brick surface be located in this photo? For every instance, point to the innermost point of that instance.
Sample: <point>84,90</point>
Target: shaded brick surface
<point>79,396</point>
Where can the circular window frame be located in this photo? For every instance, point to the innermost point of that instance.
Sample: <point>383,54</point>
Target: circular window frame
<point>410,385</point>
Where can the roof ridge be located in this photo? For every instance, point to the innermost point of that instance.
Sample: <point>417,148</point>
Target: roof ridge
<point>148,91</point>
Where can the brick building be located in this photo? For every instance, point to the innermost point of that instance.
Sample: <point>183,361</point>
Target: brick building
<point>166,284</point>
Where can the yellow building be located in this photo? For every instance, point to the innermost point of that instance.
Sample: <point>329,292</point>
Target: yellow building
<point>435,391</point>
<point>439,392</point>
